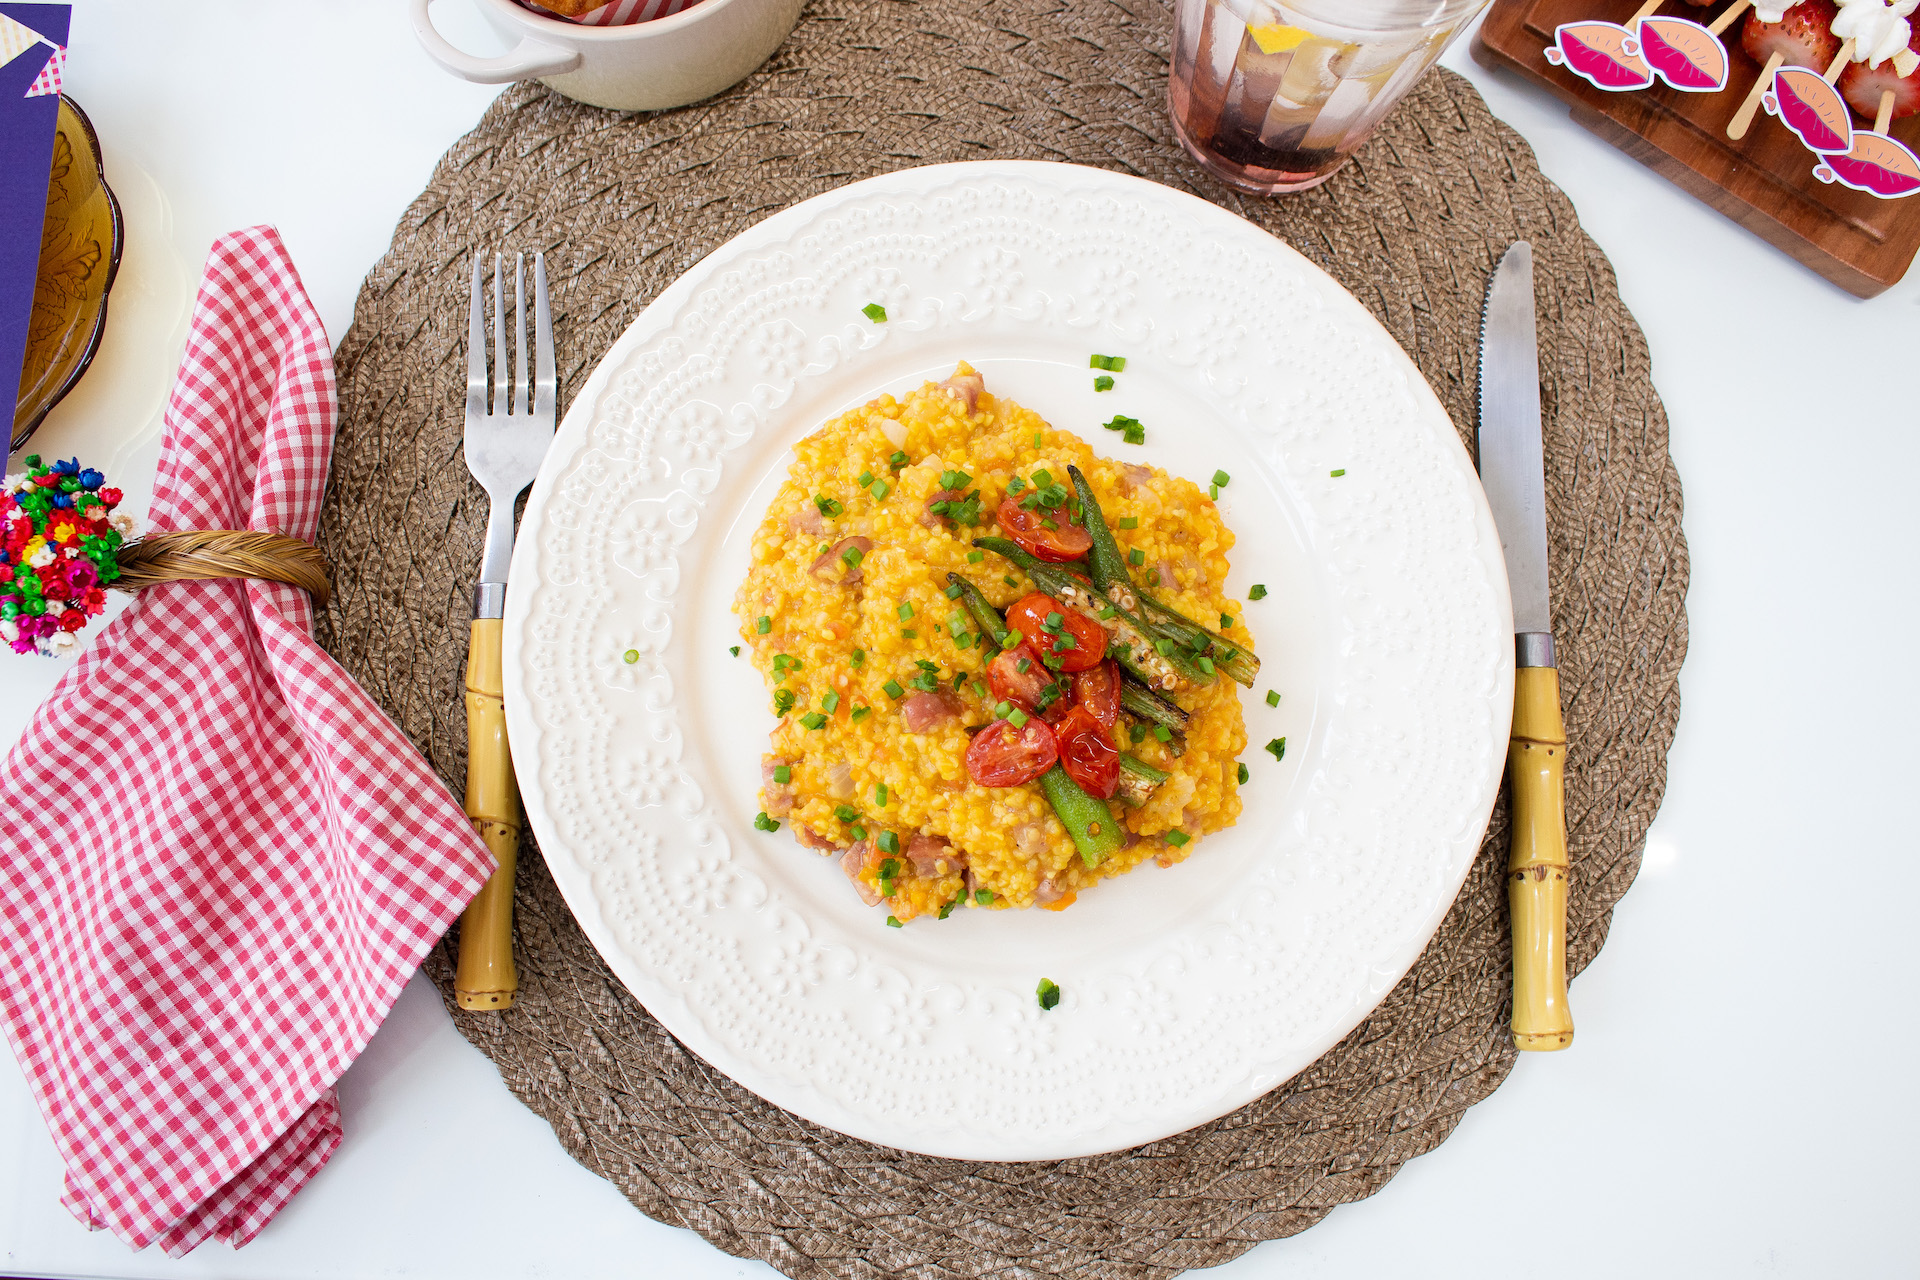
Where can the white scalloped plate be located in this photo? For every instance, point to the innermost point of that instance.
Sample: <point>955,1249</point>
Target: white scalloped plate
<point>1187,991</point>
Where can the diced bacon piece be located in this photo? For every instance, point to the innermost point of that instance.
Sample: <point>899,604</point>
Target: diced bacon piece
<point>925,710</point>
<point>932,856</point>
<point>829,565</point>
<point>1165,571</point>
<point>853,863</point>
<point>813,840</point>
<point>1136,475</point>
<point>807,521</point>
<point>779,795</point>
<point>1030,838</point>
<point>1048,890</point>
<point>840,781</point>
<point>965,387</point>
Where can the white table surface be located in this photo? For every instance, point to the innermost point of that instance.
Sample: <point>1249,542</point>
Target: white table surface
<point>1738,1099</point>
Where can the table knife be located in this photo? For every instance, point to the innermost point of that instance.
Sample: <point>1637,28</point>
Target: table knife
<point>1512,471</point>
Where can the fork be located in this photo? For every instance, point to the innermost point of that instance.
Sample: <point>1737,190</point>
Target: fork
<point>504,449</point>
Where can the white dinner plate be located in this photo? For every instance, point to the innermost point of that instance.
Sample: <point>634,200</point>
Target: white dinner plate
<point>1187,991</point>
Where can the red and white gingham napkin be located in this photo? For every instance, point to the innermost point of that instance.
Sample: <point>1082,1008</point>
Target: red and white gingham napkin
<point>219,861</point>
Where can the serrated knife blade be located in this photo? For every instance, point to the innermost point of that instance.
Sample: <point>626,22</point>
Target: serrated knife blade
<point>1513,472</point>
<point>1512,469</point>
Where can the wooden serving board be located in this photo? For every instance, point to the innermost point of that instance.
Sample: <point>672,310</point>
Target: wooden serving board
<point>1764,182</point>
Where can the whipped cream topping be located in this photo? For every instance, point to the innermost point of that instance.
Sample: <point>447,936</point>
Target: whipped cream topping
<point>1877,28</point>
<point>1769,11</point>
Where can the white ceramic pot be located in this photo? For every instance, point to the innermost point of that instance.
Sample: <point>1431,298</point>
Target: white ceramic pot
<point>646,66</point>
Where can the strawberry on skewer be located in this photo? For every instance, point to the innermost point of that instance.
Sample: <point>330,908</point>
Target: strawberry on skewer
<point>1887,88</point>
<point>1803,37</point>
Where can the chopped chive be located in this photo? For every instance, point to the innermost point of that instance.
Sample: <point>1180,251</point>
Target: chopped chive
<point>761,822</point>
<point>782,701</point>
<point>954,591</point>
<point>1213,491</point>
<point>1279,748</point>
<point>1136,557</point>
<point>951,479</point>
<point>1163,647</point>
<point>1036,440</point>
<point>632,656</point>
<point>983,896</point>
<point>1244,775</point>
<point>1048,993</point>
<point>1220,478</point>
<point>1023,665</point>
<point>813,720</point>
<point>783,774</point>
<point>1130,522</point>
<point>1273,699</point>
<point>889,869</point>
<point>1017,718</point>
<point>860,713</point>
<point>845,812</point>
<point>880,794</point>
<point>1008,579</point>
<point>1137,732</point>
<point>763,624</point>
<point>874,312</point>
<point>864,479</point>
<point>886,887</point>
<point>898,460</point>
<point>1117,363</point>
<point>1178,839</point>
<point>1135,434</point>
<point>1256,592</point>
<point>1337,474</point>
<point>828,506</point>
<point>830,703</point>
<point>905,610</point>
<point>1204,663</point>
<point>908,633</point>
<point>975,557</point>
<point>1097,362</point>
<point>853,556</point>
<point>858,658</point>
<point>1015,484</point>
<point>878,489</point>
<point>946,908</point>
<point>857,831</point>
<point>1226,622</point>
<point>1107,611</point>
<point>889,842</point>
<point>734,649</point>
<point>891,922</point>
<point>1163,733</point>
<point>1103,383</point>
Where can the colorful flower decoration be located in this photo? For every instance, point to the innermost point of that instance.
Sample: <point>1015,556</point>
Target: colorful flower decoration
<point>59,545</point>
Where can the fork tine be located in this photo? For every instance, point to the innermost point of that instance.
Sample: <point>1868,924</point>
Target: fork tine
<point>544,382</point>
<point>500,370</point>
<point>520,389</point>
<point>477,346</point>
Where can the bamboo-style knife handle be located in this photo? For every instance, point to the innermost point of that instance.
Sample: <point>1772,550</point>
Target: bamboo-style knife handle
<point>485,978</point>
<point>1537,863</point>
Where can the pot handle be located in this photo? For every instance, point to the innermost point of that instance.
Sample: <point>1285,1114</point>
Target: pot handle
<point>527,60</point>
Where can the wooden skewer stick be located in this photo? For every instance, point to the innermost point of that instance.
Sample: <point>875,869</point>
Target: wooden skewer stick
<point>1646,11</point>
<point>1743,118</point>
<point>1725,20</point>
<point>1840,60</point>
<point>1884,116</point>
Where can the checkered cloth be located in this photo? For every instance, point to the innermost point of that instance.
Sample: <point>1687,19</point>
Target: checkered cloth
<point>620,13</point>
<point>219,862</point>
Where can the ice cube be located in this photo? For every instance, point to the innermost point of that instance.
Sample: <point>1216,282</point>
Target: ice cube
<point>1310,76</point>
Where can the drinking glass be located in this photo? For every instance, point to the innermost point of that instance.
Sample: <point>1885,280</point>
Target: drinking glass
<point>1274,95</point>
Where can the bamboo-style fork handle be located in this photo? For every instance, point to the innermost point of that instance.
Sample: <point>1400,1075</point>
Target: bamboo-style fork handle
<point>486,978</point>
<point>1537,862</point>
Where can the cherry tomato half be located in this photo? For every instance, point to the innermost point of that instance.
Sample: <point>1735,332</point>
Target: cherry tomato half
<point>1088,754</point>
<point>1011,683</point>
<point>1098,690</point>
<point>1029,616</point>
<point>1004,756</point>
<point>1068,542</point>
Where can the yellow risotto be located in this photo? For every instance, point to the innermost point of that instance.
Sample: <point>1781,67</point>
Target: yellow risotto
<point>879,672</point>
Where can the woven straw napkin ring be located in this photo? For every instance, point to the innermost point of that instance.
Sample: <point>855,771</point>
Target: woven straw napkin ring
<point>200,555</point>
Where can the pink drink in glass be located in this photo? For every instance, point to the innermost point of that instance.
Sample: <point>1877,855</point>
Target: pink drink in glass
<point>1274,97</point>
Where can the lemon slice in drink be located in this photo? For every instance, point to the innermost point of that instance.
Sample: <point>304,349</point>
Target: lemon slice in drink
<point>1272,37</point>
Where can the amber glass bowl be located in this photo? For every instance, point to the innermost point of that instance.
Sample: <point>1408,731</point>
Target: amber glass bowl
<point>80,244</point>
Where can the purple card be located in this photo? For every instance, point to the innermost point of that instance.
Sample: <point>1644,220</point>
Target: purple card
<point>33,39</point>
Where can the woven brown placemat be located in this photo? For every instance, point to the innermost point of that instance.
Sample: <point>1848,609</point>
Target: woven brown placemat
<point>622,205</point>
